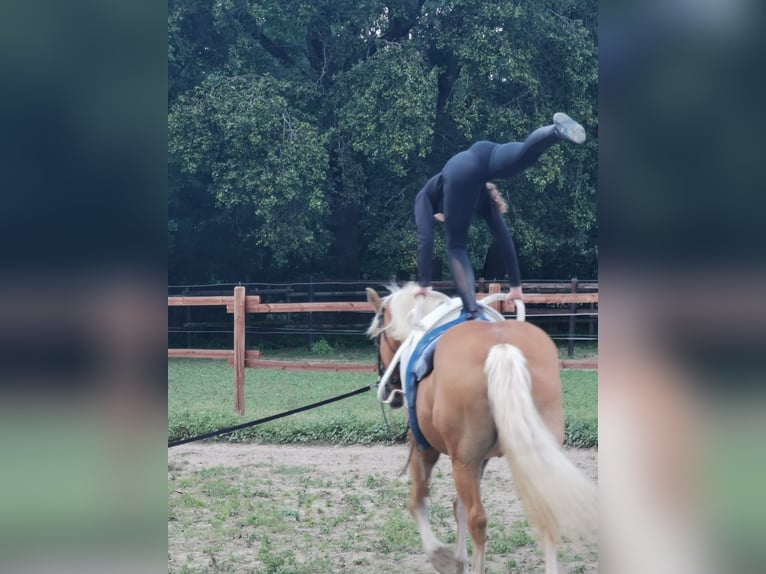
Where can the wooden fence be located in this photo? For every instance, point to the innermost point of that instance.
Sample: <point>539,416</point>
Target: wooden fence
<point>240,305</point>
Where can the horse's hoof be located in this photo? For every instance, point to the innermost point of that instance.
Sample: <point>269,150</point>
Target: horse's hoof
<point>445,562</point>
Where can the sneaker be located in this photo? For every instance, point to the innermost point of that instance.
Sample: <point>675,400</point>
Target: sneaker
<point>568,129</point>
<point>471,315</point>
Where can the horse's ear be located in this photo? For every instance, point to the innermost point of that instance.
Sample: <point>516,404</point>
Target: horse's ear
<point>373,298</point>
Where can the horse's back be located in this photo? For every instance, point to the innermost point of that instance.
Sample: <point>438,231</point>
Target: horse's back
<point>461,355</point>
<point>471,341</point>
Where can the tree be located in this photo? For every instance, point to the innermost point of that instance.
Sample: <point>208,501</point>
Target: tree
<point>300,132</point>
<point>241,142</point>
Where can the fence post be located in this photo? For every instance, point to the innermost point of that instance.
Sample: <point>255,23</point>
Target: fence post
<point>572,311</point>
<point>239,349</point>
<point>310,315</point>
<point>495,288</point>
<point>188,321</point>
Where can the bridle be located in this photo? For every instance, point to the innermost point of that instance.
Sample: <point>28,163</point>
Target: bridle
<point>394,378</point>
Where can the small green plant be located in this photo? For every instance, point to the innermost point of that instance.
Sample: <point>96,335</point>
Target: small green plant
<point>521,537</point>
<point>506,542</point>
<point>398,534</point>
<point>374,481</point>
<point>354,503</point>
<point>274,561</point>
<point>219,488</point>
<point>290,513</point>
<point>322,347</point>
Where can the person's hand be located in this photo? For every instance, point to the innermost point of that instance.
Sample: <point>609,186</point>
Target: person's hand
<point>420,291</point>
<point>439,217</point>
<point>514,293</point>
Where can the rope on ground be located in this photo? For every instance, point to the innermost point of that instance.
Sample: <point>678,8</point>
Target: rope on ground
<point>267,419</point>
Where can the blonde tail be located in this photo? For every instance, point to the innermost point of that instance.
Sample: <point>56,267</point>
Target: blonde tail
<point>559,500</point>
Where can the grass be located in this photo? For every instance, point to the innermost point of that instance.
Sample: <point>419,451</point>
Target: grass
<point>580,398</point>
<point>200,399</point>
<point>506,541</point>
<point>322,350</point>
<point>581,350</point>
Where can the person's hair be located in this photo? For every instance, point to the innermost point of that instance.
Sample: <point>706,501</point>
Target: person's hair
<point>497,199</point>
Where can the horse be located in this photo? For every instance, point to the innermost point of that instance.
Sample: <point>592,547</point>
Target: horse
<point>494,391</point>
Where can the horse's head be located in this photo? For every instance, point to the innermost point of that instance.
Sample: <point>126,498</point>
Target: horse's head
<point>395,317</point>
<point>380,331</point>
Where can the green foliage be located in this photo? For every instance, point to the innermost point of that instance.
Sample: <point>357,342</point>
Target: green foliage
<point>264,164</point>
<point>387,108</point>
<point>299,132</point>
<point>322,348</point>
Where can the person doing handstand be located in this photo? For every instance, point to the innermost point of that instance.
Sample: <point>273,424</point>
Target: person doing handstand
<point>460,191</point>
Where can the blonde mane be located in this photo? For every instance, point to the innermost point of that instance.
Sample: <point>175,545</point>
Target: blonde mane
<point>401,304</point>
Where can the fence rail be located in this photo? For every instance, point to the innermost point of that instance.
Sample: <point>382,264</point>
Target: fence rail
<point>239,304</point>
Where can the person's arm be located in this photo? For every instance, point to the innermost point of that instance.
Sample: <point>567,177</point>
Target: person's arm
<point>424,219</point>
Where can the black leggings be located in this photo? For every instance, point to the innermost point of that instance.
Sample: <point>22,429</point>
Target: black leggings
<point>465,177</point>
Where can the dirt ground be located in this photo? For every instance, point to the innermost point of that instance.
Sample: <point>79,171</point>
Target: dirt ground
<point>326,509</point>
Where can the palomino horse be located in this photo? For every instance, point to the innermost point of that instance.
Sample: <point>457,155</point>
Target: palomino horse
<point>494,391</point>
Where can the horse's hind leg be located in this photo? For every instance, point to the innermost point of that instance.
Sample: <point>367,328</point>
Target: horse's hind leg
<point>461,518</point>
<point>421,465</point>
<point>467,484</point>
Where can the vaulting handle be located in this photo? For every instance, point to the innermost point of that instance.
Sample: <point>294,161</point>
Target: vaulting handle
<point>521,310</point>
<point>521,313</point>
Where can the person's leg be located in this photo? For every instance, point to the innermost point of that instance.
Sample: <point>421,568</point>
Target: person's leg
<point>462,273</point>
<point>463,179</point>
<point>512,158</point>
<point>462,184</point>
<point>457,225</point>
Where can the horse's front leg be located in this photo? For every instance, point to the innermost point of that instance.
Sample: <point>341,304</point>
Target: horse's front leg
<point>421,464</point>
